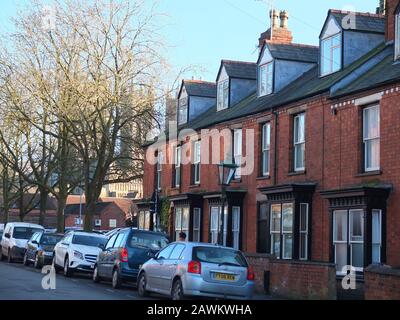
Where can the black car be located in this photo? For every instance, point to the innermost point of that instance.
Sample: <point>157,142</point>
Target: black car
<point>124,254</point>
<point>40,247</point>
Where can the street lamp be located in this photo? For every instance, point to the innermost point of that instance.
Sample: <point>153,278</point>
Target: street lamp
<point>226,174</point>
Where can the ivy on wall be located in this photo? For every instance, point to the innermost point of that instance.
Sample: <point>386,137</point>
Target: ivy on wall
<point>165,206</point>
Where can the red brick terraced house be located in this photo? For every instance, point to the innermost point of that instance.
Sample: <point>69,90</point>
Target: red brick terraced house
<point>322,124</point>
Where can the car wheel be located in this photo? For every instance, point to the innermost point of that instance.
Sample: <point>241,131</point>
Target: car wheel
<point>37,263</point>
<point>116,279</point>
<point>67,269</point>
<point>56,268</point>
<point>26,261</point>
<point>96,277</point>
<point>142,292</point>
<point>9,258</point>
<point>177,290</point>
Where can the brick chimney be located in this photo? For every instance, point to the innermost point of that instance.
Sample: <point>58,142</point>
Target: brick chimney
<point>391,6</point>
<point>382,7</point>
<point>280,32</point>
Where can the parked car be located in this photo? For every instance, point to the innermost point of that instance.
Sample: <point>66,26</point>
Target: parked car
<point>197,269</point>
<point>110,233</point>
<point>40,248</point>
<point>15,238</point>
<point>124,254</point>
<point>1,230</point>
<point>78,251</point>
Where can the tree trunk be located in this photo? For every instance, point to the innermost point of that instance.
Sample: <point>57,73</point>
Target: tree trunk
<point>43,206</point>
<point>62,201</point>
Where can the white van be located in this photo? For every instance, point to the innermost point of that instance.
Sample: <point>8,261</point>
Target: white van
<point>14,240</point>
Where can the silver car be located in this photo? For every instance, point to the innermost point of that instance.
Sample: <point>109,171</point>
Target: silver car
<point>197,269</point>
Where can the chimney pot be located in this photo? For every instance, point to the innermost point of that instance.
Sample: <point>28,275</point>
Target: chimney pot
<point>274,15</point>
<point>284,15</point>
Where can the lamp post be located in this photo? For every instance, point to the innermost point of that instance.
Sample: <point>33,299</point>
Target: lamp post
<point>226,173</point>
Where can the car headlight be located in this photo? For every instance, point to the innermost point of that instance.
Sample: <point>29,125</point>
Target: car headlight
<point>78,255</point>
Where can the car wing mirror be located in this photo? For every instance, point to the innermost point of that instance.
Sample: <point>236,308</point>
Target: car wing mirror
<point>152,255</point>
<point>7,235</point>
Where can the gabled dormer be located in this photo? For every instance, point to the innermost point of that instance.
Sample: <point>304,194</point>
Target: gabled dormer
<point>347,36</point>
<point>194,98</point>
<point>236,80</point>
<point>279,64</point>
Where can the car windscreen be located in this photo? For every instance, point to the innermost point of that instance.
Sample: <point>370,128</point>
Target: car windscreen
<point>89,241</point>
<point>149,241</point>
<point>23,233</point>
<point>219,256</point>
<point>50,240</point>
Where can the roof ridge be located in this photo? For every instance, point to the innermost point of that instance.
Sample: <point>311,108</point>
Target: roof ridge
<point>364,14</point>
<point>302,45</point>
<point>199,82</point>
<point>235,61</point>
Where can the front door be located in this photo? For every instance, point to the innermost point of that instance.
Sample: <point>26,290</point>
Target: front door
<point>348,239</point>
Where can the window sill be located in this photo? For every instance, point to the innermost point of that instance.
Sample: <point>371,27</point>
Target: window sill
<point>297,173</point>
<point>369,174</point>
<point>175,188</point>
<point>264,178</point>
<point>193,186</point>
<point>237,181</point>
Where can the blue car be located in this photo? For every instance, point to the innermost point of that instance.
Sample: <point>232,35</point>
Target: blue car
<point>125,253</point>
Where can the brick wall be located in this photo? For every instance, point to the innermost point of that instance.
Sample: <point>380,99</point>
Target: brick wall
<point>303,280</point>
<point>382,283</point>
<point>391,6</point>
<point>260,264</point>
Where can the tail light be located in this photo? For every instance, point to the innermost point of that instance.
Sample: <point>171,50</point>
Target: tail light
<point>194,267</point>
<point>124,255</point>
<point>250,274</point>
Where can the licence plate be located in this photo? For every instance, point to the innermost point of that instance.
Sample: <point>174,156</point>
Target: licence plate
<point>225,277</point>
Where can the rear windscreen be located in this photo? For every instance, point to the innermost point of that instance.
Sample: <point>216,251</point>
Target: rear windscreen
<point>219,256</point>
<point>50,240</point>
<point>149,241</point>
<point>23,233</point>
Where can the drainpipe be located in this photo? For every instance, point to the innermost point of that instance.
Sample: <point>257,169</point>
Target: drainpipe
<point>275,179</point>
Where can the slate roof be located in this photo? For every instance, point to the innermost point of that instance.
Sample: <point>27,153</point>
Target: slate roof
<point>239,69</point>
<point>200,88</point>
<point>74,209</point>
<point>294,52</point>
<point>366,22</point>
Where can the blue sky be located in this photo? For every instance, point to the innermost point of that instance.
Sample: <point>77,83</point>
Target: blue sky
<point>202,32</point>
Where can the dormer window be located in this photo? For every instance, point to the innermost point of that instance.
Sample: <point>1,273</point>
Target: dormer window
<point>223,95</point>
<point>397,37</point>
<point>183,111</point>
<point>265,79</point>
<point>331,54</point>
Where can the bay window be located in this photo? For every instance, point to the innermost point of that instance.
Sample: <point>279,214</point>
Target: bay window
<point>196,224</point>
<point>331,54</point>
<point>236,227</point>
<point>376,236</point>
<point>266,146</point>
<point>299,142</point>
<point>223,95</point>
<point>304,221</point>
<point>225,226</point>
<point>215,224</point>
<point>282,230</point>
<point>182,220</point>
<point>237,151</point>
<point>265,79</point>
<point>371,138</point>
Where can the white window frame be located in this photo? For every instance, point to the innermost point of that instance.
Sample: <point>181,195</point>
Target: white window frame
<point>183,106</point>
<point>179,226</point>
<point>223,95</point>
<point>266,149</point>
<point>377,239</point>
<point>97,223</point>
<point>329,56</point>
<point>266,79</point>
<point>215,229</point>
<point>397,37</point>
<point>78,221</point>
<point>159,169</point>
<point>335,240</point>
<point>236,216</point>
<point>304,232</point>
<point>298,142</point>
<point>285,234</point>
<point>276,232</point>
<point>178,162</point>
<point>356,242</point>
<point>196,225</point>
<point>367,139</point>
<point>197,162</point>
<point>238,151</point>
<point>112,223</point>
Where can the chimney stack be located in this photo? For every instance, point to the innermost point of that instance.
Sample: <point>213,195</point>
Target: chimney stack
<point>382,7</point>
<point>279,32</point>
